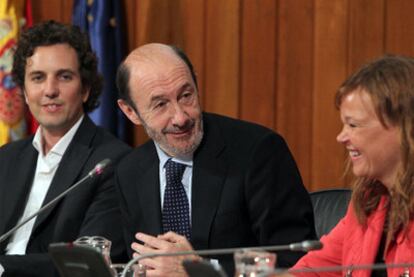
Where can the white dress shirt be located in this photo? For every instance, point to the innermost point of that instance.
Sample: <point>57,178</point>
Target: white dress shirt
<point>45,171</point>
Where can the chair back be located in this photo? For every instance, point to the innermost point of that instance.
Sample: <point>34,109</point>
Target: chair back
<point>329,206</point>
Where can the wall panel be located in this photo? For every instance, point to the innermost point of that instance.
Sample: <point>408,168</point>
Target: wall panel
<point>67,5</point>
<point>274,62</point>
<point>366,32</point>
<point>192,14</point>
<point>45,10</point>
<point>399,28</point>
<point>222,57</point>
<point>258,62</point>
<point>294,79</point>
<point>330,59</point>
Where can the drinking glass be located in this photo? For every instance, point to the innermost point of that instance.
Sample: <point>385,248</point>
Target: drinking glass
<point>251,263</point>
<point>136,270</point>
<point>101,244</point>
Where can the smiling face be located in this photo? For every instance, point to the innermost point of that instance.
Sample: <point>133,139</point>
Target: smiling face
<point>53,88</point>
<point>373,149</point>
<point>166,99</point>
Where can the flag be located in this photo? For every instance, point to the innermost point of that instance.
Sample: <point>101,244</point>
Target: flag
<point>102,19</point>
<point>13,111</point>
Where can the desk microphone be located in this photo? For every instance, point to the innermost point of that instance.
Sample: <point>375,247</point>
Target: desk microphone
<point>304,246</point>
<point>96,171</point>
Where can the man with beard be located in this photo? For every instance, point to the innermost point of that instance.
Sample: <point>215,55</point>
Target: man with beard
<point>204,181</point>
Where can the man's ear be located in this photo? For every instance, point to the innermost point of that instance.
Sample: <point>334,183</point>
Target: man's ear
<point>24,95</point>
<point>129,112</point>
<point>85,94</point>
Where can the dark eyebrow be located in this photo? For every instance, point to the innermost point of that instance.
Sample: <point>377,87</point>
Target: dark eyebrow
<point>66,70</point>
<point>60,71</point>
<point>35,72</point>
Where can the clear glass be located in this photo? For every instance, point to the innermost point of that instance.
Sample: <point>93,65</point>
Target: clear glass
<point>136,270</point>
<point>101,244</point>
<point>251,263</point>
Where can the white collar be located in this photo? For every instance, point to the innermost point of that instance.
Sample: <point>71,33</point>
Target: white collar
<point>60,147</point>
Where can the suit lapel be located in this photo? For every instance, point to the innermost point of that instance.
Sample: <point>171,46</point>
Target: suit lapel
<point>148,191</point>
<point>20,181</point>
<point>70,166</point>
<point>209,172</point>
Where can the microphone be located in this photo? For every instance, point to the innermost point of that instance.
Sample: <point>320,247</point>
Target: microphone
<point>96,171</point>
<point>99,168</point>
<point>305,246</point>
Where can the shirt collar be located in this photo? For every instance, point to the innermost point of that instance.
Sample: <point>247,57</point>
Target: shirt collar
<point>60,147</point>
<point>164,157</point>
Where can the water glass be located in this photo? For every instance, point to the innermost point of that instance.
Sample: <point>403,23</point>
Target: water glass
<point>251,263</point>
<point>101,244</point>
<point>136,270</point>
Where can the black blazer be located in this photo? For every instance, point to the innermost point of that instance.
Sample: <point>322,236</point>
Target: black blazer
<point>246,190</point>
<point>91,209</point>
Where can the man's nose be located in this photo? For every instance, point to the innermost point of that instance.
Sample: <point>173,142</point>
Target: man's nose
<point>179,117</point>
<point>51,88</point>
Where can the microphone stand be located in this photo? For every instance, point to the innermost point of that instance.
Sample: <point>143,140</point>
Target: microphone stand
<point>301,246</point>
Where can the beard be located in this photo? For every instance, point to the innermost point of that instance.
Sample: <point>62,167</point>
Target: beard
<point>186,145</point>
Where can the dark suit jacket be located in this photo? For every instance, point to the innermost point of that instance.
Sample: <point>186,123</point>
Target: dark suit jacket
<point>246,190</point>
<point>91,209</point>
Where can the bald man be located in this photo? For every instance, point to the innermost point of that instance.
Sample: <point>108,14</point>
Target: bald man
<point>203,181</point>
